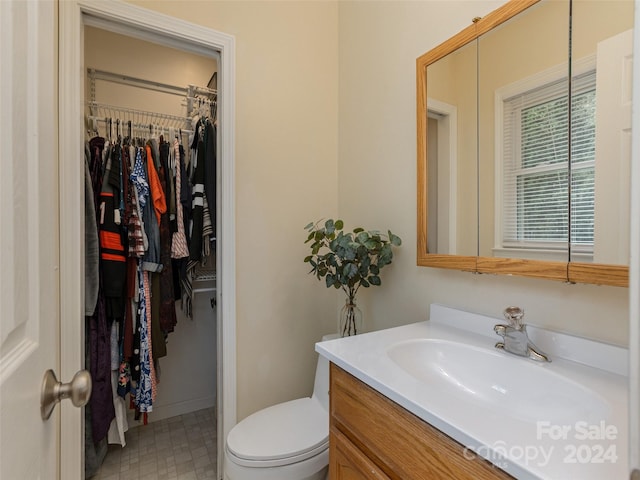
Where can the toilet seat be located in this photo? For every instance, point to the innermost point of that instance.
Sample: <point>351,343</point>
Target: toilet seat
<point>283,434</point>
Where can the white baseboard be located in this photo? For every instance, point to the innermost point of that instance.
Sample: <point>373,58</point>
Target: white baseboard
<point>160,412</point>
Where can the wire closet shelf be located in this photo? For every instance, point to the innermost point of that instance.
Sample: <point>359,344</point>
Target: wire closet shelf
<point>130,121</point>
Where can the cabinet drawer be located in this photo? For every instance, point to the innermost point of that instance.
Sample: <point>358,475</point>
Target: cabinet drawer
<point>402,445</point>
<point>349,463</point>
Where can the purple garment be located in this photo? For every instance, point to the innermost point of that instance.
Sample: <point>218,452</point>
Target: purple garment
<point>102,409</point>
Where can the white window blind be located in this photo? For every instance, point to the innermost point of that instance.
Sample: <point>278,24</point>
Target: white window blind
<point>535,166</point>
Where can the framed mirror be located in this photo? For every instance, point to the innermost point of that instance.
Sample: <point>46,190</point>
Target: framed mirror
<point>510,132</point>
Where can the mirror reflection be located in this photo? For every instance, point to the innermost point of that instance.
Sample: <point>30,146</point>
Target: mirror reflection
<point>523,154</point>
<point>601,117</point>
<point>452,122</point>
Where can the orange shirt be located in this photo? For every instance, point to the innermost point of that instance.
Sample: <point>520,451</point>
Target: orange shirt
<point>157,193</point>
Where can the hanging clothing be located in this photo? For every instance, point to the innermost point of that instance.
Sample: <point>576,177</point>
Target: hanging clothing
<point>91,245</point>
<point>179,248</point>
<point>195,248</point>
<point>157,192</point>
<point>101,402</point>
<point>210,173</point>
<point>111,233</point>
<point>119,424</point>
<point>158,336</point>
<point>141,191</point>
<point>112,257</point>
<point>207,228</point>
<point>94,452</point>
<point>167,310</point>
<point>203,216</point>
<point>150,215</point>
<point>144,389</point>
<point>131,219</point>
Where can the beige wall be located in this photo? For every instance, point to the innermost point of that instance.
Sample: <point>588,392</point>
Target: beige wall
<point>322,81</point>
<point>128,56</point>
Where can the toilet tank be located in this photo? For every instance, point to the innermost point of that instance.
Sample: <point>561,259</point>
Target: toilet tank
<point>321,383</point>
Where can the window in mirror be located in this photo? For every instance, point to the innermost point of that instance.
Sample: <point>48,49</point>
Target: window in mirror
<point>583,148</point>
<point>535,156</point>
<point>523,91</point>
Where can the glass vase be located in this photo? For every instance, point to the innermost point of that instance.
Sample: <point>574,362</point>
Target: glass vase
<point>350,319</point>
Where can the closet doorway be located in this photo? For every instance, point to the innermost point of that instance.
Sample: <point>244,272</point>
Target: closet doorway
<point>160,94</point>
<point>170,33</point>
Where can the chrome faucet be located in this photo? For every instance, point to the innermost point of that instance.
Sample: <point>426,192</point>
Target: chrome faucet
<point>515,336</point>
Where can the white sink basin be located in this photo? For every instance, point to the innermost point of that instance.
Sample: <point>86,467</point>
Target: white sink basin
<point>503,383</point>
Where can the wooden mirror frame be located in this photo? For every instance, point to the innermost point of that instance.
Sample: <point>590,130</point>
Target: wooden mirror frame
<point>572,272</point>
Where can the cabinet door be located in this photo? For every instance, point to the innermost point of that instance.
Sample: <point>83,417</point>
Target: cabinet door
<point>347,462</point>
<point>400,443</point>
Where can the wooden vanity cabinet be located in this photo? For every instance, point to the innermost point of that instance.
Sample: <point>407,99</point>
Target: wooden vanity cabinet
<point>372,437</point>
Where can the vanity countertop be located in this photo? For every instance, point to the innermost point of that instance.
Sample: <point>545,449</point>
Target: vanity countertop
<point>531,431</point>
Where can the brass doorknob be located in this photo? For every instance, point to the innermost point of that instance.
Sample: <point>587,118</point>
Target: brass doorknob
<point>78,390</point>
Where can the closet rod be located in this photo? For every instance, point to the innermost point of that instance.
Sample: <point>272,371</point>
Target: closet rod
<point>95,74</point>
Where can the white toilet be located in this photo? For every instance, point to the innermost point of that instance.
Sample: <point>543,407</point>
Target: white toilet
<point>288,441</point>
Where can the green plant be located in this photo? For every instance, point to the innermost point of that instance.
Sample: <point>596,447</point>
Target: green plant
<point>348,260</point>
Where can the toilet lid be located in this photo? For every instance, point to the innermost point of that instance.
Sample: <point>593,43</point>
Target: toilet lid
<point>279,435</point>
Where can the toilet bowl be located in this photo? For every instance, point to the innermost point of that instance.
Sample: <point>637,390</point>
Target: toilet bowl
<point>288,441</point>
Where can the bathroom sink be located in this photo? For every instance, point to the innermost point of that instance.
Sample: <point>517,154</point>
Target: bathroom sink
<point>500,382</point>
<point>531,419</point>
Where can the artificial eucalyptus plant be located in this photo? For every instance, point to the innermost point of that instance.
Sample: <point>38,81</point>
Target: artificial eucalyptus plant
<point>348,260</point>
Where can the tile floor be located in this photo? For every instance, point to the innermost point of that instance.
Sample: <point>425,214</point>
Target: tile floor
<point>178,448</point>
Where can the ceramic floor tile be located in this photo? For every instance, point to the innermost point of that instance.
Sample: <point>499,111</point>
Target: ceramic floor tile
<point>198,451</point>
<point>185,467</point>
<point>178,448</point>
<point>188,476</point>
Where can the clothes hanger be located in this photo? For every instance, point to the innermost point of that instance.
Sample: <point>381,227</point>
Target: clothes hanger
<point>118,136</point>
<point>94,126</point>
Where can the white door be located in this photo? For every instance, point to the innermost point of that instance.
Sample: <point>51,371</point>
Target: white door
<point>29,299</point>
